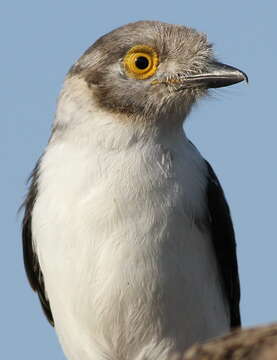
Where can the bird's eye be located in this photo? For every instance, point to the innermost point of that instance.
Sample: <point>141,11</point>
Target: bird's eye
<point>141,62</point>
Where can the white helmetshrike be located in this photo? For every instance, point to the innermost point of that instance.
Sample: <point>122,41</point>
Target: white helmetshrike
<point>127,236</point>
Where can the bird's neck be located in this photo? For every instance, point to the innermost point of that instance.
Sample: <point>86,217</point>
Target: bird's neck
<point>82,120</point>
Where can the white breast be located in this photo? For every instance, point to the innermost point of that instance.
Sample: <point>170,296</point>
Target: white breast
<point>128,272</point>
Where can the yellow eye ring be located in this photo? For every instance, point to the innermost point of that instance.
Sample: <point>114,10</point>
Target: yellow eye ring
<point>141,62</point>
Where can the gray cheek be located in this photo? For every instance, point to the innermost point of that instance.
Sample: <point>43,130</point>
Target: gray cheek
<point>169,67</point>
<point>121,71</point>
<point>118,68</point>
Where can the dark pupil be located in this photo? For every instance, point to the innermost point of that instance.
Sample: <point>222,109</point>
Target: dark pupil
<point>142,62</point>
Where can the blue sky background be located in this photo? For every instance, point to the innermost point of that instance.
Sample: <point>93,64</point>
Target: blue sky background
<point>235,130</point>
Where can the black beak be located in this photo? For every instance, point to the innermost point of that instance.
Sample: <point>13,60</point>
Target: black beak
<point>217,75</point>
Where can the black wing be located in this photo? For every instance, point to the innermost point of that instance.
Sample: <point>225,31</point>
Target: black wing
<point>31,262</point>
<point>225,245</point>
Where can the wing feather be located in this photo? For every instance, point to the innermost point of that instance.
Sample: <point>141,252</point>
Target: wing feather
<point>31,262</point>
<point>224,243</point>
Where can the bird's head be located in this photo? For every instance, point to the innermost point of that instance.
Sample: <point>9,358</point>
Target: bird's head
<point>150,69</point>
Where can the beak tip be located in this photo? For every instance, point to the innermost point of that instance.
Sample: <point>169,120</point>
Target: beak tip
<point>216,76</point>
<point>226,75</point>
<point>244,77</point>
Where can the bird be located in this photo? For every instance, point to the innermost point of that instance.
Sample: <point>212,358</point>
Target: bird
<point>127,236</point>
